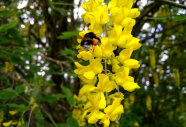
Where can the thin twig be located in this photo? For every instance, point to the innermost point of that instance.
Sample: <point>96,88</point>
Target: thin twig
<point>12,78</point>
<point>174,4</point>
<point>49,116</point>
<point>29,120</point>
<point>54,60</point>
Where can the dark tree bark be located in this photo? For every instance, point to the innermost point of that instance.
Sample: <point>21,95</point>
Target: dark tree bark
<point>56,24</point>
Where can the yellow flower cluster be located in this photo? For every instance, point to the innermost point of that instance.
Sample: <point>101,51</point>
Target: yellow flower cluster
<point>12,122</point>
<point>99,98</point>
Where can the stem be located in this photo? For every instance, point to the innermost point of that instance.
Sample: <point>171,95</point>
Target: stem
<point>105,66</point>
<point>106,74</point>
<point>49,116</point>
<point>29,120</point>
<point>118,87</point>
<point>21,118</point>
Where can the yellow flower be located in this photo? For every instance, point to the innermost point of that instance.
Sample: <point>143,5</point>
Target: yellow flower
<point>1,115</point>
<point>134,13</point>
<point>107,47</point>
<point>77,114</point>
<point>85,55</point>
<point>7,124</point>
<point>96,28</point>
<point>126,81</point>
<point>120,3</point>
<point>124,55</point>
<point>93,106</point>
<point>131,63</point>
<point>21,122</point>
<point>115,64</point>
<point>136,124</point>
<point>14,122</point>
<point>112,112</point>
<point>134,43</point>
<point>97,52</point>
<point>149,103</point>
<point>123,38</point>
<point>118,15</point>
<point>104,85</point>
<point>91,5</point>
<point>89,72</point>
<point>13,112</point>
<point>130,86</point>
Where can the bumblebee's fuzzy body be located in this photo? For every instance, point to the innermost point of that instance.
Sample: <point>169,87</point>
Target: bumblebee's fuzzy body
<point>89,40</point>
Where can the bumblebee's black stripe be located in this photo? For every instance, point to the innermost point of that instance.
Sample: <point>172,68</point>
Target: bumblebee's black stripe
<point>86,42</point>
<point>91,35</point>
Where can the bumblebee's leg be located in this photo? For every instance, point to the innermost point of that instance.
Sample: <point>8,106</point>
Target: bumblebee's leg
<point>92,48</point>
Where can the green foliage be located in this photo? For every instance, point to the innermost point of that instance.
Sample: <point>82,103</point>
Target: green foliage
<point>8,94</point>
<point>5,27</point>
<point>52,98</point>
<point>68,35</point>
<point>69,54</point>
<point>68,95</point>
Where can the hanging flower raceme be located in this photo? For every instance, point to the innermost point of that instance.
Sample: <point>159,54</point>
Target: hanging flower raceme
<point>105,60</point>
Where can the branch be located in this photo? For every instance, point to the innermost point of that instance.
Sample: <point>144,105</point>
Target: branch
<point>173,4</point>
<point>37,38</point>
<point>13,78</point>
<point>153,7</point>
<point>54,60</point>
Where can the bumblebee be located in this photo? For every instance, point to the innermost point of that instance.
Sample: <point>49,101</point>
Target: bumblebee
<point>89,40</point>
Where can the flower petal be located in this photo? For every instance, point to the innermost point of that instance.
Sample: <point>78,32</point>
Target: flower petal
<point>102,102</point>
<point>130,86</point>
<point>89,75</point>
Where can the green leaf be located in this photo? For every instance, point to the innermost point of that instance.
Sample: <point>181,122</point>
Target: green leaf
<point>72,122</point>
<point>174,17</point>
<point>20,89</point>
<point>63,125</point>
<point>39,114</point>
<point>89,125</point>
<point>15,60</point>
<point>15,35</point>
<point>72,74</point>
<point>52,98</point>
<point>68,95</point>
<point>7,13</point>
<point>36,92</point>
<point>5,39</point>
<point>67,51</point>
<point>71,100</point>
<point>159,18</point>
<point>19,108</point>
<point>66,91</point>
<point>62,11</point>
<point>5,27</point>
<point>7,94</point>
<point>179,18</point>
<point>72,59</point>
<point>106,1</point>
<point>68,35</point>
<point>4,12</point>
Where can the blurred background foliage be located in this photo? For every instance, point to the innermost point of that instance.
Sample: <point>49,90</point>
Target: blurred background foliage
<point>38,48</point>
